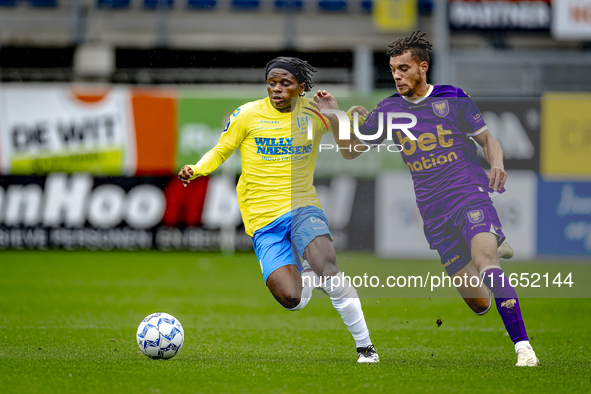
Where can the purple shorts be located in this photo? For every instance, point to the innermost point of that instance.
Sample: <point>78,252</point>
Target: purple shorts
<point>452,235</point>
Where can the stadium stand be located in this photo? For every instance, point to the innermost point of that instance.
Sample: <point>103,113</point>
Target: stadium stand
<point>289,5</point>
<point>232,26</point>
<point>245,5</point>
<point>113,4</point>
<point>154,4</point>
<point>332,5</point>
<point>201,4</point>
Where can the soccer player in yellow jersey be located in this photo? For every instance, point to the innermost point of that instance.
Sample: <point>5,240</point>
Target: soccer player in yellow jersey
<point>278,147</point>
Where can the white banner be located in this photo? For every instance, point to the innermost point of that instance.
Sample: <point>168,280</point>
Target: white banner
<point>571,19</point>
<point>500,14</point>
<point>517,209</point>
<point>50,129</point>
<point>399,227</point>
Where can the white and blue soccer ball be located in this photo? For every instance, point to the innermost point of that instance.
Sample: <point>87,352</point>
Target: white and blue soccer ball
<point>160,335</point>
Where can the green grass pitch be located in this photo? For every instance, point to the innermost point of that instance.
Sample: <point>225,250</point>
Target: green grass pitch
<point>68,323</point>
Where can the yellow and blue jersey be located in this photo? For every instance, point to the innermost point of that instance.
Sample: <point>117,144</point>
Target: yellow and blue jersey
<point>278,159</point>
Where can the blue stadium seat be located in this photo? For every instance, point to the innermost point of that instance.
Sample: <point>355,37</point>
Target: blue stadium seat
<point>366,5</point>
<point>43,3</point>
<point>153,4</point>
<point>289,5</point>
<point>332,5</point>
<point>202,4</point>
<point>115,4</point>
<point>425,7</point>
<point>245,5</point>
<point>7,3</point>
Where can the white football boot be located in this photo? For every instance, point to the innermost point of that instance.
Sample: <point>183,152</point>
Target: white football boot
<point>367,355</point>
<point>526,357</point>
<point>505,251</point>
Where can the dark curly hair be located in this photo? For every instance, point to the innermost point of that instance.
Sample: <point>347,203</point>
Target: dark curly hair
<point>304,68</point>
<point>415,43</point>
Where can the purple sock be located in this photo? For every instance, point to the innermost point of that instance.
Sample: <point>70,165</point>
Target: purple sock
<point>507,303</point>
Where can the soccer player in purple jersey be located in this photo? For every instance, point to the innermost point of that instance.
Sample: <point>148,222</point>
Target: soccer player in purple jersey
<point>452,190</point>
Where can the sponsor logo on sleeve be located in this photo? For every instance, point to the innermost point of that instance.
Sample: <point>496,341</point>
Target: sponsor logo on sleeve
<point>509,303</point>
<point>232,117</point>
<point>227,125</point>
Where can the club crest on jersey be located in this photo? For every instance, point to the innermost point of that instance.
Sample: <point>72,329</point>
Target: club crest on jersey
<point>302,123</point>
<point>441,108</point>
<point>475,216</point>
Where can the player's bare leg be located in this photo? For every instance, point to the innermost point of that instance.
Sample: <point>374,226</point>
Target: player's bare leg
<point>321,256</point>
<point>485,259</point>
<point>290,288</point>
<point>285,283</point>
<point>478,298</point>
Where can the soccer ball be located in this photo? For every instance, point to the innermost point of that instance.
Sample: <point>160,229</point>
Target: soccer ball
<point>160,335</point>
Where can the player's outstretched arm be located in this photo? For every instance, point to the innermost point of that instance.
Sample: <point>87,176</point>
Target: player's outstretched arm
<point>229,141</point>
<point>494,155</point>
<point>208,164</point>
<point>324,100</point>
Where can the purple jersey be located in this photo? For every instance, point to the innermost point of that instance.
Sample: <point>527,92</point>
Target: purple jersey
<point>442,161</point>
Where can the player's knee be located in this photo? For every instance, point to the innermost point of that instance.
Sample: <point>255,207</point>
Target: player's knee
<point>488,255</point>
<point>484,249</point>
<point>287,301</point>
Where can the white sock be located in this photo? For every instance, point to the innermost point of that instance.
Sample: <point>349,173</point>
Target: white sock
<point>522,345</point>
<point>345,300</point>
<point>300,306</point>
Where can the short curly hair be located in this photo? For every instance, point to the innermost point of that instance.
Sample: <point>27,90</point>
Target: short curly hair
<point>415,43</point>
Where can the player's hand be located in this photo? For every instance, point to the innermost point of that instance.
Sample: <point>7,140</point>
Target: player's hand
<point>497,178</point>
<point>185,174</point>
<point>360,110</point>
<point>324,100</point>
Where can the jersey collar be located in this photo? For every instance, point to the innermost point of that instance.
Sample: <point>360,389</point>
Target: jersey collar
<point>429,91</point>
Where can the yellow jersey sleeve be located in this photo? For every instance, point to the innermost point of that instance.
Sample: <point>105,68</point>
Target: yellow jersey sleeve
<point>231,138</point>
<point>322,124</point>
